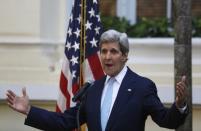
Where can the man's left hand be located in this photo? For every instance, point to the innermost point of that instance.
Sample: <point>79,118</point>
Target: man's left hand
<point>181,93</point>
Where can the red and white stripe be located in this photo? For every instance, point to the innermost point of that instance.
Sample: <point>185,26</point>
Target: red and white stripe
<point>92,70</point>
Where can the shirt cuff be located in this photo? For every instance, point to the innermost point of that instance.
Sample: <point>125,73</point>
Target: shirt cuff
<point>183,109</point>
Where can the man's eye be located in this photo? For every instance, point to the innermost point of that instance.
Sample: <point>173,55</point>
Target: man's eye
<point>114,51</point>
<point>103,51</point>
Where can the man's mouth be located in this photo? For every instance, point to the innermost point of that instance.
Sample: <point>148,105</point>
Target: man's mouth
<point>108,65</point>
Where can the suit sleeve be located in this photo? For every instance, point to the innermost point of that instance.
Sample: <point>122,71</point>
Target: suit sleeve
<point>52,121</point>
<point>165,117</point>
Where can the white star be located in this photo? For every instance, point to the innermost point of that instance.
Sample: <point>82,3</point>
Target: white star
<point>88,25</point>
<point>97,30</point>
<point>79,18</point>
<point>68,45</point>
<point>91,12</point>
<point>76,46</point>
<point>77,33</point>
<point>69,31</point>
<point>98,17</point>
<point>73,74</point>
<point>95,1</point>
<point>93,42</point>
<point>74,60</point>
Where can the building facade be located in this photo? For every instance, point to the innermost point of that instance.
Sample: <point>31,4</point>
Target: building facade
<point>144,8</point>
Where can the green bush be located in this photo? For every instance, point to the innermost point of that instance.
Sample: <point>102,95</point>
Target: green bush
<point>150,28</point>
<point>196,27</point>
<point>120,24</point>
<point>158,27</point>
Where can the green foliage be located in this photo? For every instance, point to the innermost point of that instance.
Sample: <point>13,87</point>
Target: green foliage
<point>158,27</point>
<point>120,24</point>
<point>150,28</point>
<point>196,27</point>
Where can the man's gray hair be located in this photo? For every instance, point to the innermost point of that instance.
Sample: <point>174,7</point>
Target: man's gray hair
<point>117,37</point>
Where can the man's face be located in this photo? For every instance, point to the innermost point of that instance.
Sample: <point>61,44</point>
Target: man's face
<point>112,58</point>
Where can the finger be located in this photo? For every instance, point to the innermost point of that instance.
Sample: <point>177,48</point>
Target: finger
<point>9,101</point>
<point>10,97</point>
<point>24,91</point>
<point>180,90</point>
<point>178,94</point>
<point>181,84</point>
<point>177,99</point>
<point>181,93</point>
<point>181,87</point>
<point>11,93</point>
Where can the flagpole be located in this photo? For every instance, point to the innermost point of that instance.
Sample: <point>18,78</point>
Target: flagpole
<point>84,39</point>
<point>82,43</point>
<point>84,28</point>
<point>82,47</point>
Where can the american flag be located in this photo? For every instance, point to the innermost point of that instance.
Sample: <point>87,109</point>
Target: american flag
<point>81,43</point>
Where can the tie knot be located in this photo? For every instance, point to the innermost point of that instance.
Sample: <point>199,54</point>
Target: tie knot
<point>112,80</point>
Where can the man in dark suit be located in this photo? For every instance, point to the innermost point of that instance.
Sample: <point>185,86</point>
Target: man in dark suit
<point>120,101</point>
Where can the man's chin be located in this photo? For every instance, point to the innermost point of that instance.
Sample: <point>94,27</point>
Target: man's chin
<point>109,73</point>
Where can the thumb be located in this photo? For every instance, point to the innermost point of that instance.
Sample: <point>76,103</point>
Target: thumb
<point>24,91</point>
<point>183,79</point>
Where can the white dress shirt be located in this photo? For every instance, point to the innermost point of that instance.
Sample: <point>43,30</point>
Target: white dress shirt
<point>118,80</point>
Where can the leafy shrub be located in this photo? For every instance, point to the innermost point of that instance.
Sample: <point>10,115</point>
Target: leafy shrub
<point>151,28</point>
<point>109,22</point>
<point>196,27</point>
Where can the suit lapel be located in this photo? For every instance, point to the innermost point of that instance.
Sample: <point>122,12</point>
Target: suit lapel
<point>97,101</point>
<point>125,91</point>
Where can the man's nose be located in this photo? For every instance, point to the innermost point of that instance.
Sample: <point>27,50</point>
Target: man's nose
<point>108,55</point>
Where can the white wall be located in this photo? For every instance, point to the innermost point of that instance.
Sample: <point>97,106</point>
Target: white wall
<point>20,17</point>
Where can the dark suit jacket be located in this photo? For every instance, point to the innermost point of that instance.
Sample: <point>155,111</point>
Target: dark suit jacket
<point>137,98</point>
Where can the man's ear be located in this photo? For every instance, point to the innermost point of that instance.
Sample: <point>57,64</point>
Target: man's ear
<point>125,57</point>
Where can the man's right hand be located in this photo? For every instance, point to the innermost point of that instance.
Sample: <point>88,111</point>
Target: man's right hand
<point>17,103</point>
